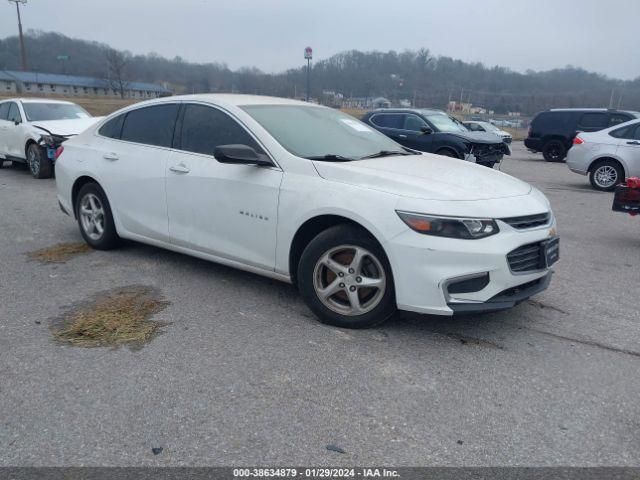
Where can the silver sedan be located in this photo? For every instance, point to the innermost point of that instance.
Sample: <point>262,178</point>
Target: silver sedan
<point>607,157</point>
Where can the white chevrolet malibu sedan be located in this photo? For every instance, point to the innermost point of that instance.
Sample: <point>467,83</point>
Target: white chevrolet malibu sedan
<point>308,195</point>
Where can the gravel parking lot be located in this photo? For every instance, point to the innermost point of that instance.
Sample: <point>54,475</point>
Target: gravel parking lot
<point>243,373</point>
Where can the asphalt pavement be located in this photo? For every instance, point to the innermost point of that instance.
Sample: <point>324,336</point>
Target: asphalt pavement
<point>244,375</point>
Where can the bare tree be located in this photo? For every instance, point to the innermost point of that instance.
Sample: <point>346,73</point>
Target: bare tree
<point>117,66</point>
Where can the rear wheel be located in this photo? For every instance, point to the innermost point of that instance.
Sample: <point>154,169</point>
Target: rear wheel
<point>39,165</point>
<point>95,219</point>
<point>606,174</point>
<point>554,151</point>
<point>345,278</point>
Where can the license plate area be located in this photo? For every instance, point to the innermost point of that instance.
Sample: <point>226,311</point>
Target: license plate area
<point>551,251</point>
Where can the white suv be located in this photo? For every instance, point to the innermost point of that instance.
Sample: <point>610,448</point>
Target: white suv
<point>31,129</point>
<point>309,195</point>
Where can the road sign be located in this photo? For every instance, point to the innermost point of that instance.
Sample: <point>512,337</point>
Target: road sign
<point>308,53</point>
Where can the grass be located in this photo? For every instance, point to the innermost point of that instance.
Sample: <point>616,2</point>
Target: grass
<point>59,253</point>
<point>114,318</point>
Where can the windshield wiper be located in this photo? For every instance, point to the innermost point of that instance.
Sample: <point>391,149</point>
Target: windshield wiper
<point>386,153</point>
<point>331,157</point>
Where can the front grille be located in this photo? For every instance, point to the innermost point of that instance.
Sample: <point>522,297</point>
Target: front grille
<point>528,221</point>
<point>484,150</point>
<point>527,258</point>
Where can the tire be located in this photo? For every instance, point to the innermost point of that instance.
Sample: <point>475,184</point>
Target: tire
<point>447,152</point>
<point>95,220</point>
<point>554,151</point>
<point>328,263</point>
<point>39,164</point>
<point>605,174</point>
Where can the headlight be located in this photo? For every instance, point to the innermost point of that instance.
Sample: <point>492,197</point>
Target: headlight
<point>452,227</point>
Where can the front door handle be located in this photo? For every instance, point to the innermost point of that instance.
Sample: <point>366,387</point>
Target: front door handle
<point>402,136</point>
<point>633,143</point>
<point>110,156</point>
<point>180,168</point>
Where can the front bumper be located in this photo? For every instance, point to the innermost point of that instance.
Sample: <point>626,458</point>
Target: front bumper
<point>424,266</point>
<point>506,299</point>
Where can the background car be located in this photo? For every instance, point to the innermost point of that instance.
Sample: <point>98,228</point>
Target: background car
<point>31,129</point>
<point>480,126</point>
<point>434,131</point>
<point>608,156</point>
<point>551,132</point>
<point>310,195</point>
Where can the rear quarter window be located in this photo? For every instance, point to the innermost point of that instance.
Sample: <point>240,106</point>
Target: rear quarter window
<point>388,120</point>
<point>113,128</point>
<point>552,120</point>
<point>4,111</point>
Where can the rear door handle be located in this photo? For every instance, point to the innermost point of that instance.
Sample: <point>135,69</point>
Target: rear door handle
<point>633,143</point>
<point>110,156</point>
<point>402,136</point>
<point>180,168</point>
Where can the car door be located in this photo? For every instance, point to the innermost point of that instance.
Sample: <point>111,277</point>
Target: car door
<point>4,129</point>
<point>226,210</point>
<point>629,150</point>
<point>412,135</point>
<point>13,134</point>
<point>132,166</point>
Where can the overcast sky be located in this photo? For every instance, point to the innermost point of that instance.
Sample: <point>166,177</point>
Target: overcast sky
<point>599,35</point>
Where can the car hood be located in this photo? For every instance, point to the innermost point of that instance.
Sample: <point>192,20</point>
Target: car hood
<point>477,137</point>
<point>66,127</point>
<point>427,176</point>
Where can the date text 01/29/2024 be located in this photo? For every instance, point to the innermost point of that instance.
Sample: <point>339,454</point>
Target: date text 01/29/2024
<point>315,472</point>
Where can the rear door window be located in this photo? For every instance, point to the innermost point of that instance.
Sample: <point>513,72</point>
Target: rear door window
<point>4,111</point>
<point>151,125</point>
<point>616,118</point>
<point>388,120</point>
<point>593,120</point>
<point>204,128</point>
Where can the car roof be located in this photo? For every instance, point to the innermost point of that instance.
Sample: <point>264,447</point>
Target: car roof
<point>236,99</point>
<point>422,111</point>
<point>612,110</point>
<point>36,100</point>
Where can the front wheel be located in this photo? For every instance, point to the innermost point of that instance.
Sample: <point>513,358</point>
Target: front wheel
<point>95,219</point>
<point>39,164</point>
<point>345,278</point>
<point>605,175</point>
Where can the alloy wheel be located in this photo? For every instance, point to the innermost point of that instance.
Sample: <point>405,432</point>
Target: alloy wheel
<point>33,160</point>
<point>92,218</point>
<point>605,176</point>
<point>349,280</point>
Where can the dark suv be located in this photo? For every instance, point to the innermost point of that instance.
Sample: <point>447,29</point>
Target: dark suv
<point>552,131</point>
<point>434,131</point>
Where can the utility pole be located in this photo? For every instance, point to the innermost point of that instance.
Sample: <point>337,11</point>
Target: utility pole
<point>23,53</point>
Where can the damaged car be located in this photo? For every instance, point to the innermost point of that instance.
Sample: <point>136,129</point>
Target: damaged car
<point>433,131</point>
<point>33,129</point>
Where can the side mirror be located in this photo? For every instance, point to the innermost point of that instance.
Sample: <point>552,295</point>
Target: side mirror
<point>426,130</point>
<point>240,155</point>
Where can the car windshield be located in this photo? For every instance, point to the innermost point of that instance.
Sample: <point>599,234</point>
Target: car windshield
<point>445,123</point>
<point>40,112</point>
<point>490,127</point>
<point>321,133</point>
